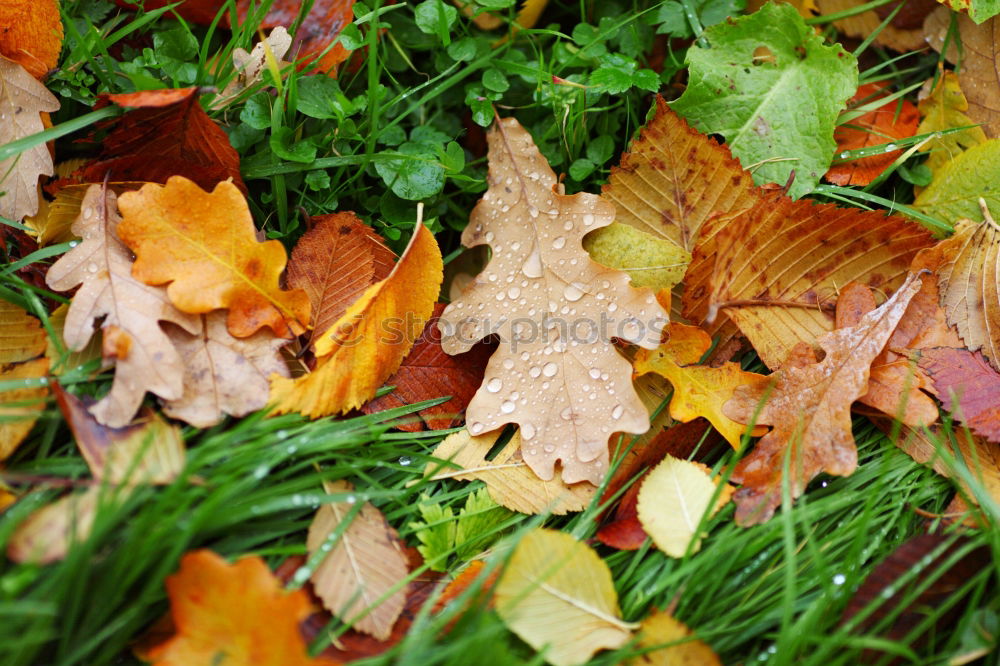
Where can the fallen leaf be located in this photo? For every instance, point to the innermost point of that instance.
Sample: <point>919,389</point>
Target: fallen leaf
<point>32,35</point>
<point>171,125</point>
<point>363,566</point>
<point>223,374</point>
<point>557,594</point>
<point>48,533</point>
<point>197,11</point>
<point>967,386</point>
<point>149,450</point>
<point>145,359</point>
<point>979,49</point>
<point>862,24</point>
<point>896,119</point>
<point>699,390</point>
<point>203,595</point>
<point>428,372</point>
<point>54,221</point>
<point>250,67</point>
<point>509,480</point>
<point>62,359</point>
<point>204,247</point>
<point>775,269</point>
<point>748,99</point>
<point>22,100</point>
<point>674,497</point>
<point>648,260</point>
<point>465,580</point>
<point>315,42</point>
<point>527,15</point>
<point>369,342</point>
<point>960,184</point>
<point>679,646</point>
<point>22,341</point>
<point>809,404</point>
<point>944,109</point>
<point>568,390</point>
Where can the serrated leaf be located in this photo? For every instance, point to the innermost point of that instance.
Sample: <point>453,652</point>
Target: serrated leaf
<point>958,186</point>
<point>679,647</point>
<point>966,385</point>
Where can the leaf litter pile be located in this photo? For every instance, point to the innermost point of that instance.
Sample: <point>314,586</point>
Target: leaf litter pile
<point>298,372</point>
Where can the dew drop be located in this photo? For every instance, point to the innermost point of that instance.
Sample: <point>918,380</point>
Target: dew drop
<point>515,246</point>
<point>533,265</point>
<point>405,460</point>
<point>301,576</point>
<point>567,225</point>
<point>534,371</point>
<point>532,211</point>
<point>261,471</point>
<point>594,373</point>
<point>514,292</point>
<point>567,414</point>
<point>527,431</point>
<point>612,307</point>
<point>525,356</point>
<point>494,385</point>
<point>573,292</point>
<point>839,579</point>
<point>617,412</point>
<point>489,236</point>
<point>74,243</point>
<point>350,499</point>
<point>507,406</point>
<point>588,219</point>
<point>559,243</point>
<point>550,369</point>
<point>889,147</point>
<point>508,364</point>
<point>844,155</point>
<point>549,448</point>
<point>476,428</point>
<point>88,213</point>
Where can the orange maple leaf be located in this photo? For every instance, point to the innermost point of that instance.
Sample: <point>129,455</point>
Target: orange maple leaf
<point>32,34</point>
<point>235,614</point>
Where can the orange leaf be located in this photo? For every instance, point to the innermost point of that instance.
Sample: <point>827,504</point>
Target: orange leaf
<point>204,246</point>
<point>233,612</point>
<point>32,34</point>
<point>168,134</point>
<point>878,127</point>
<point>368,343</point>
<point>968,386</point>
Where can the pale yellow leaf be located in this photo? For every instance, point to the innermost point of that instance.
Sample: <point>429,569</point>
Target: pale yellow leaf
<point>650,261</point>
<point>48,533</point>
<point>680,648</point>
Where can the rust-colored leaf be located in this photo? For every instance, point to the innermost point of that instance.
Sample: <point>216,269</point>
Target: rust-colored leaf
<point>809,405</point>
<point>32,35</point>
<point>320,28</point>
<point>204,247</point>
<point>967,386</point>
<point>896,119</point>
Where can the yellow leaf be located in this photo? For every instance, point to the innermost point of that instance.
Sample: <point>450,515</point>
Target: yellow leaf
<point>203,245</point>
<point>48,533</point>
<point>680,648</point>
<point>53,222</point>
<point>369,342</point>
<point>509,480</point>
<point>650,261</point>
<point>673,498</point>
<point>945,109</point>
<point>556,594</point>
<point>699,390</point>
<point>22,339</point>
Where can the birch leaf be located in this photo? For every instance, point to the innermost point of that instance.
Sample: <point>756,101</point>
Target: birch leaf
<point>557,595</point>
<point>966,385</point>
<point>568,390</point>
<point>366,562</point>
<point>958,186</point>
<point>946,108</point>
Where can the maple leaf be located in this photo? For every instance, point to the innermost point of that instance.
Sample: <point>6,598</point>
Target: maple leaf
<point>945,109</point>
<point>809,405</point>
<point>32,35</point>
<point>250,67</point>
<point>568,390</point>
<point>903,38</point>
<point>366,562</point>
<point>22,99</point>
<point>144,357</point>
<point>967,386</point>
<point>22,340</point>
<point>172,126</point>
<point>509,480</point>
<point>680,648</point>
<point>539,596</point>
<point>265,631</point>
<point>775,268</point>
<point>204,247</point>
<point>896,119</point>
<point>368,343</point>
<point>699,390</point>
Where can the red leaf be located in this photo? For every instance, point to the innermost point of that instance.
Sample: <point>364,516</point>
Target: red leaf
<point>319,29</point>
<point>968,377</point>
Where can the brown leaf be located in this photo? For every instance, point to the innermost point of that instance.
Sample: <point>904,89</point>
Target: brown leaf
<point>48,533</point>
<point>32,35</point>
<point>967,386</point>
<point>317,31</point>
<point>366,562</point>
<point>427,373</point>
<point>22,100</point>
<point>980,49</point>
<point>775,269</point>
<point>809,405</point>
<point>132,312</point>
<point>166,134</point>
<point>569,390</point>
<point>862,25</point>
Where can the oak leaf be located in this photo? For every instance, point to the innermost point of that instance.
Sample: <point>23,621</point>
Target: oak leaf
<point>509,480</point>
<point>172,126</point>
<point>862,24</point>
<point>32,35</point>
<point>363,566</point>
<point>144,357</point>
<point>22,341</point>
<point>540,597</point>
<point>370,340</point>
<point>568,390</point>
<point>22,100</point>
<point>896,119</point>
<point>699,390</point>
<point>945,108</point>
<point>775,268</point>
<point>966,385</point>
<point>265,631</point>
<point>680,647</point>
<point>204,247</point>
<point>809,405</point>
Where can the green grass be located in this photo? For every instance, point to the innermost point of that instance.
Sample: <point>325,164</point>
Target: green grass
<point>772,593</point>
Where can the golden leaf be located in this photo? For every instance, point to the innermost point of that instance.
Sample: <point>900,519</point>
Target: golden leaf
<point>945,109</point>
<point>680,648</point>
<point>48,533</point>
<point>650,261</point>
<point>22,340</point>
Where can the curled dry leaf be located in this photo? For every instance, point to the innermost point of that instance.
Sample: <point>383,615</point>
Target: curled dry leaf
<point>22,100</point>
<point>265,631</point>
<point>809,405</point>
<point>699,390</point>
<point>775,269</point>
<point>22,341</point>
<point>679,646</point>
<point>674,497</point>
<point>250,67</point>
<point>363,566</point>
<point>204,247</point>
<point>568,390</point>
<point>509,480</point>
<point>557,593</point>
<point>966,385</point>
<point>370,340</point>
<point>944,109</point>
<point>145,359</point>
<point>32,35</point>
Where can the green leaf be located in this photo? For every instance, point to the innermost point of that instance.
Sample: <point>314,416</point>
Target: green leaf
<point>284,146</point>
<point>494,80</point>
<point>256,111</point>
<point>478,524</point>
<point>436,534</point>
<point>773,89</point>
<point>434,17</point>
<point>979,10</point>
<point>414,175</point>
<point>955,191</point>
<point>580,169</point>
<point>321,97</point>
